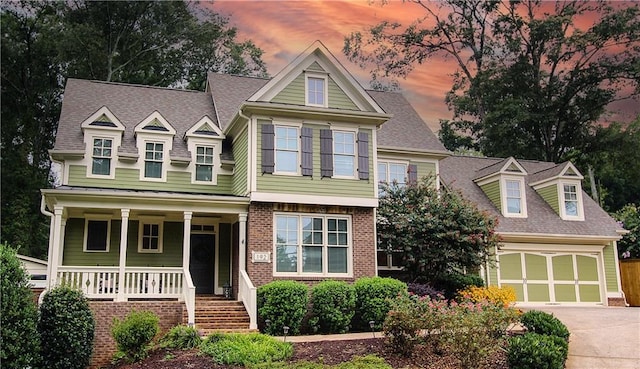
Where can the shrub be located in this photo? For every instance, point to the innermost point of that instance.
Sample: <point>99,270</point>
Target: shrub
<point>543,323</point>
<point>403,324</point>
<point>134,334</point>
<point>420,289</point>
<point>454,282</point>
<point>537,351</point>
<point>333,306</point>
<point>181,337</point>
<point>373,296</point>
<point>358,362</point>
<point>66,329</point>
<point>283,303</point>
<point>245,349</point>
<point>19,341</point>
<point>504,296</point>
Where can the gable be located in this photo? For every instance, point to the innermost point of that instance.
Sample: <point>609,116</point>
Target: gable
<point>155,123</point>
<point>102,119</point>
<point>294,94</point>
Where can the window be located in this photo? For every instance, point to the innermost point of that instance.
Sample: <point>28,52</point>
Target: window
<point>101,156</point>
<point>154,152</point>
<point>311,244</point>
<point>389,261</point>
<point>96,235</point>
<point>286,160</point>
<point>514,197</point>
<point>390,172</point>
<point>316,91</point>
<point>204,163</point>
<point>570,200</point>
<point>344,155</point>
<point>150,237</point>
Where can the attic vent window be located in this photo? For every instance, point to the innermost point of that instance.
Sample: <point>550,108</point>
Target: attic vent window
<point>102,123</point>
<point>316,90</point>
<point>155,125</point>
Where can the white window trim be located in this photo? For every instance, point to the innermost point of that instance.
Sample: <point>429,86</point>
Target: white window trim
<point>275,149</point>
<point>355,152</point>
<point>98,217</point>
<point>166,147</point>
<point>115,144</point>
<point>561,202</point>
<point>503,197</point>
<point>388,163</point>
<point>322,76</point>
<point>159,220</point>
<point>389,258</point>
<point>325,265</point>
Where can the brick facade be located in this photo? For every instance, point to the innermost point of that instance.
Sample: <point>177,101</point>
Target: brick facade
<point>260,238</point>
<point>170,313</point>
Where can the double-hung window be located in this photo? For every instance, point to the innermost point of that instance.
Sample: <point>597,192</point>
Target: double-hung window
<point>286,147</point>
<point>392,173</point>
<point>154,153</point>
<point>204,163</point>
<point>344,153</point>
<point>312,245</point>
<point>316,91</point>
<point>150,236</point>
<point>570,200</point>
<point>101,158</point>
<point>514,197</point>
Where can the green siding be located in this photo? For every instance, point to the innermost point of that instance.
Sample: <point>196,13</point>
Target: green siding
<point>425,169</point>
<point>170,257</point>
<point>493,272</point>
<point>492,190</point>
<point>315,67</point>
<point>550,195</point>
<point>224,254</point>
<point>292,94</point>
<point>130,179</point>
<point>610,268</point>
<point>315,185</point>
<point>241,157</point>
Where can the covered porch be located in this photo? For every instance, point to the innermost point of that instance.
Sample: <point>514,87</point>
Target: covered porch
<point>125,245</point>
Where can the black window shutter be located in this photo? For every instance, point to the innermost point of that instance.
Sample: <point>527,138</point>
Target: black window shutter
<point>326,153</point>
<point>412,174</point>
<point>363,155</point>
<point>268,162</point>
<point>306,137</point>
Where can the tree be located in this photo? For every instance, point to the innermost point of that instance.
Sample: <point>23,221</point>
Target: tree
<point>162,43</point>
<point>19,342</point>
<point>438,232</point>
<point>629,245</point>
<point>531,82</point>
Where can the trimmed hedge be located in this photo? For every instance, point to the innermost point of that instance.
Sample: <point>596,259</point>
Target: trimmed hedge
<point>245,349</point>
<point>181,337</point>
<point>373,296</point>
<point>282,303</point>
<point>134,334</point>
<point>537,351</point>
<point>332,306</point>
<point>544,323</point>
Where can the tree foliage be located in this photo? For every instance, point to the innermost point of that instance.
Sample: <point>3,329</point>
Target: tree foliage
<point>162,43</point>
<point>438,232</point>
<point>19,342</point>
<point>629,245</point>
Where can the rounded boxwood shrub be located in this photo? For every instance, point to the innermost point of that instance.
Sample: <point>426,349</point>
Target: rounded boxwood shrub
<point>245,349</point>
<point>332,306</point>
<point>134,334</point>
<point>282,303</point>
<point>544,323</point>
<point>537,351</point>
<point>66,329</point>
<point>373,295</point>
<point>181,337</point>
<point>19,340</point>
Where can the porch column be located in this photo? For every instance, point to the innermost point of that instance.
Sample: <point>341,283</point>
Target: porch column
<point>56,248</point>
<point>242,241</point>
<point>124,233</point>
<point>186,239</point>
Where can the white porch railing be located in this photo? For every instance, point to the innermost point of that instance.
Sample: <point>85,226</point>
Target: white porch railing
<point>189,296</point>
<point>94,282</point>
<point>248,296</point>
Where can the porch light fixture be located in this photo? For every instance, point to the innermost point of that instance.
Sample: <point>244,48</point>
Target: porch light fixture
<point>285,329</point>
<point>227,291</point>
<point>372,324</point>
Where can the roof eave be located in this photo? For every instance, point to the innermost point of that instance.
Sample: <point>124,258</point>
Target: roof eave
<point>354,116</point>
<point>401,150</point>
<point>544,237</point>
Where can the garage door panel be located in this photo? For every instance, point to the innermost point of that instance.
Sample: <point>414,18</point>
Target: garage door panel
<point>587,268</point>
<point>518,287</point>
<point>538,292</point>
<point>536,267</point>
<point>563,268</point>
<point>565,292</point>
<point>510,266</point>
<point>589,293</point>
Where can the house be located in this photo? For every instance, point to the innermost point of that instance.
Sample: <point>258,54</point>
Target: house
<point>174,196</point>
<point>558,246</point>
<point>37,271</point>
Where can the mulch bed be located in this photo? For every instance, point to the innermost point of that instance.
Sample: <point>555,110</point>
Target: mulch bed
<point>327,352</point>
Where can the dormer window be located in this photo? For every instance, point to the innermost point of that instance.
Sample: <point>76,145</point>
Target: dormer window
<point>154,154</point>
<point>101,158</point>
<point>570,200</point>
<point>316,90</point>
<point>204,163</point>
<point>514,197</point>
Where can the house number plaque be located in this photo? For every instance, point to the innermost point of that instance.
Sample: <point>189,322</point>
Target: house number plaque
<point>260,256</point>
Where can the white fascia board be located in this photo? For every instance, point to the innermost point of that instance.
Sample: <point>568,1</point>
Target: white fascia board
<point>404,151</point>
<point>361,117</point>
<point>556,237</point>
<point>313,199</point>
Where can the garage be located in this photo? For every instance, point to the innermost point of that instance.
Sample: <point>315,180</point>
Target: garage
<point>552,277</point>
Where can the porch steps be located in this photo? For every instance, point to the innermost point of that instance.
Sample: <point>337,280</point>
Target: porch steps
<point>215,314</point>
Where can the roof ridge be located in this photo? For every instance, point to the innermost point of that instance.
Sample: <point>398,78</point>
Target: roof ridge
<point>136,85</point>
<point>238,75</point>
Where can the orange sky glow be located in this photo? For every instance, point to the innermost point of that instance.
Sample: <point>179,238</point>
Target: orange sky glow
<point>284,29</point>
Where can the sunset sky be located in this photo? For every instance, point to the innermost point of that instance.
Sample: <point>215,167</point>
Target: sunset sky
<point>284,29</point>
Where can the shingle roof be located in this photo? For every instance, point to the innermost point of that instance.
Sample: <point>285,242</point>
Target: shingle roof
<point>458,172</point>
<point>547,173</point>
<point>229,92</point>
<point>490,169</point>
<point>405,129</point>
<point>130,104</point>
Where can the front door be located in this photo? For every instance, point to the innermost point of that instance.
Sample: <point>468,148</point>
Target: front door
<point>202,262</point>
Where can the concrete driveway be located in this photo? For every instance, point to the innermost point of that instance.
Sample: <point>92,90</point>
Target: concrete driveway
<point>601,337</point>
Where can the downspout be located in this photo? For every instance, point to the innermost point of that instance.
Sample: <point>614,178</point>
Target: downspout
<point>44,211</point>
<point>242,266</point>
